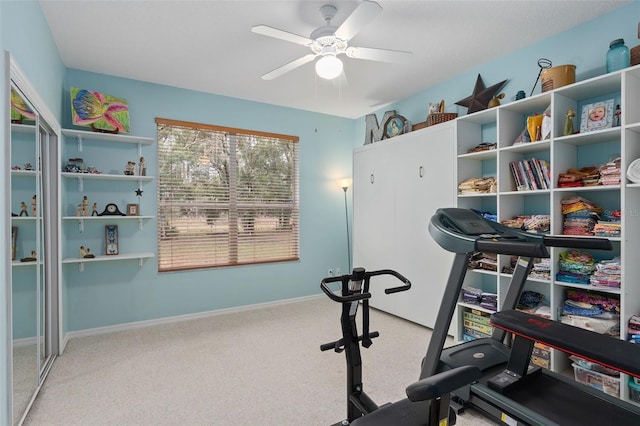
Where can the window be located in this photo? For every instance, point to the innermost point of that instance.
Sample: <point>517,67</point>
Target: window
<point>225,196</point>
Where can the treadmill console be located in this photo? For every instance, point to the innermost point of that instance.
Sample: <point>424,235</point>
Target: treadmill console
<point>466,221</point>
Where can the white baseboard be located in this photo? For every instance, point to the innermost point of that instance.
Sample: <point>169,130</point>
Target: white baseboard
<point>178,318</point>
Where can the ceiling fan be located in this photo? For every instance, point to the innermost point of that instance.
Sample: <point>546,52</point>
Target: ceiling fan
<point>328,41</point>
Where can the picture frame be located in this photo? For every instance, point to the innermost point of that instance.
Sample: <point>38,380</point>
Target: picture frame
<point>133,209</point>
<point>14,241</point>
<point>597,116</point>
<point>394,126</point>
<point>111,240</point>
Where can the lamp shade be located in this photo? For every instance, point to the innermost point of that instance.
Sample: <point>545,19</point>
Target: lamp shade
<point>328,67</point>
<point>345,182</point>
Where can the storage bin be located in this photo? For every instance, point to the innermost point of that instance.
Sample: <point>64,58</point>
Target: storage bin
<point>634,390</point>
<point>607,384</point>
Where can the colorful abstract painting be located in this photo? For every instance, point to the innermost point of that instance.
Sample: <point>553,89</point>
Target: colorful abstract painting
<point>99,111</point>
<point>19,108</point>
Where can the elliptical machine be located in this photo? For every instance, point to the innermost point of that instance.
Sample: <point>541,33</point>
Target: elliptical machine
<point>428,399</point>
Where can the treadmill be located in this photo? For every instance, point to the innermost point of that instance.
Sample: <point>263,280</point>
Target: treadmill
<point>510,390</point>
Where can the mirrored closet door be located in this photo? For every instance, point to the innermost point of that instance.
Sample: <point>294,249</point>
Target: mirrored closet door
<point>34,235</point>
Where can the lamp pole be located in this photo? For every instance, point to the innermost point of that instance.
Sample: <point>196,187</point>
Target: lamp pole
<point>345,183</point>
<point>346,216</point>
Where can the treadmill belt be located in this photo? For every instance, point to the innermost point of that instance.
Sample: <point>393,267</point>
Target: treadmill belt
<point>566,405</point>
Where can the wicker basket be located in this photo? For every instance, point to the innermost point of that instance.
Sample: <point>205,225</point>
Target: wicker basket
<point>635,56</point>
<point>440,117</point>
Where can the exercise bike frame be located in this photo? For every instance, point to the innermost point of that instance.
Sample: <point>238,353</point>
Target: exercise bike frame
<point>355,290</point>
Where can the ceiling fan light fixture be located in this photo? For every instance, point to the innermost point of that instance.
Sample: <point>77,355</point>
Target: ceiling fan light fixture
<point>329,67</point>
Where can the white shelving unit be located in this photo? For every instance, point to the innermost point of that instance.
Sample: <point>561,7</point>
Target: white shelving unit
<point>96,147</point>
<point>502,125</point>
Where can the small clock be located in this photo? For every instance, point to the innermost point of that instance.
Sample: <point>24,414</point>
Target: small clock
<point>111,210</point>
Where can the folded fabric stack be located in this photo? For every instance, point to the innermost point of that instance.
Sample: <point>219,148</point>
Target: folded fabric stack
<point>586,176</point>
<point>580,216</point>
<point>535,223</point>
<point>530,300</point>
<point>609,225</point>
<point>541,269</point>
<point>489,301</point>
<point>610,172</point>
<point>634,328</point>
<point>486,261</point>
<point>477,186</point>
<point>607,273</point>
<point>592,311</point>
<point>471,295</point>
<point>487,215</point>
<point>484,146</point>
<point>575,267</point>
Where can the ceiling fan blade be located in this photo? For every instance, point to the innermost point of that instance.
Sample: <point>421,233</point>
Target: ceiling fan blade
<point>383,55</point>
<point>280,34</point>
<point>288,67</point>
<point>359,18</point>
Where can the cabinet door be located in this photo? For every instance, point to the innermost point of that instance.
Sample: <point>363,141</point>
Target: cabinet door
<point>424,182</point>
<point>373,217</point>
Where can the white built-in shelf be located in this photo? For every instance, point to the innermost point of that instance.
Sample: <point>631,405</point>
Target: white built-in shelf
<point>23,173</point>
<point>102,176</point>
<point>105,176</point>
<point>23,128</point>
<point>84,136</point>
<point>528,146</point>
<point>16,263</point>
<point>113,258</point>
<point>107,218</point>
<point>106,137</point>
<point>478,307</point>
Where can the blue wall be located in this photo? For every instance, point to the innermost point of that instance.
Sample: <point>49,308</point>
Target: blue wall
<point>102,296</point>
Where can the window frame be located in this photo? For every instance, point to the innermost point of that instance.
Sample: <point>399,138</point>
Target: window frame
<point>232,205</point>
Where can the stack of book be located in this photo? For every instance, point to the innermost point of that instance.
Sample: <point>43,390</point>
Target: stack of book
<point>531,174</point>
<point>476,325</point>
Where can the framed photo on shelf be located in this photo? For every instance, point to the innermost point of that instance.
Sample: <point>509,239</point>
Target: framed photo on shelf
<point>14,241</point>
<point>133,209</point>
<point>111,240</point>
<point>597,116</point>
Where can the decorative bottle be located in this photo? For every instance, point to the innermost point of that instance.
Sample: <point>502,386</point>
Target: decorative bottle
<point>618,56</point>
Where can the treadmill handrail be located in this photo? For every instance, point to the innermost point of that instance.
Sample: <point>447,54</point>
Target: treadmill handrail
<point>609,351</point>
<point>505,240</point>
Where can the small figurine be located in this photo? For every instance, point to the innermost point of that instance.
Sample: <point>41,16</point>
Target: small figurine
<point>31,258</point>
<point>142,167</point>
<point>617,115</point>
<point>79,210</point>
<point>94,209</point>
<point>85,253</point>
<point>34,207</point>
<point>568,123</point>
<point>85,206</point>
<point>130,169</point>
<point>23,209</point>
<point>495,101</point>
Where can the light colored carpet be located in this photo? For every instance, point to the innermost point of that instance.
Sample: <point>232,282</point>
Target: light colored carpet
<point>257,367</point>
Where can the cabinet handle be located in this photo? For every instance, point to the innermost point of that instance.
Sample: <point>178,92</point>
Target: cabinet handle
<point>372,179</point>
<point>421,171</point>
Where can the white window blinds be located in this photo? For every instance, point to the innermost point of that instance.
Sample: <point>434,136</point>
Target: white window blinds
<point>225,196</point>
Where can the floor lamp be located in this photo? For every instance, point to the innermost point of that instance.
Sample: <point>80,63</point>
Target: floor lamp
<point>345,184</point>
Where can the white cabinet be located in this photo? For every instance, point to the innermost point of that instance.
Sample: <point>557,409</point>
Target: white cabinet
<point>502,125</point>
<point>107,156</point>
<point>398,185</point>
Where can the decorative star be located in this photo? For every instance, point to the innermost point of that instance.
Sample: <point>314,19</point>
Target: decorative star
<point>139,192</point>
<point>481,96</point>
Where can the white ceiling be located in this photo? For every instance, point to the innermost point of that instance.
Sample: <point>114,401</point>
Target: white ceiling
<point>208,46</point>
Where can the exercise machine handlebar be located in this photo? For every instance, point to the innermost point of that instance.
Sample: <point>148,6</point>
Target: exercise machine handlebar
<point>359,274</point>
